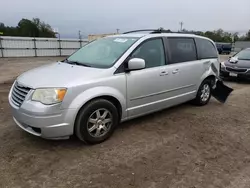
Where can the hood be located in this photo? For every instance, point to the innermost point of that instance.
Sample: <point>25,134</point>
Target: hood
<point>239,64</point>
<point>59,75</point>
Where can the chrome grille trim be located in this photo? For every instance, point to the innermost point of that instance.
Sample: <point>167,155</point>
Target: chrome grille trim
<point>22,89</point>
<point>237,70</point>
<point>19,94</point>
<point>16,99</point>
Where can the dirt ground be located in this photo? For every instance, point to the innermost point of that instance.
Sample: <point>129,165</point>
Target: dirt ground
<point>10,68</point>
<point>181,147</point>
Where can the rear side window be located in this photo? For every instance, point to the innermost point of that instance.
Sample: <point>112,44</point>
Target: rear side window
<point>206,49</point>
<point>182,50</point>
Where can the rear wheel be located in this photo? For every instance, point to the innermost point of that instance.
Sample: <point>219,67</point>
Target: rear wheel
<point>204,93</point>
<point>96,121</point>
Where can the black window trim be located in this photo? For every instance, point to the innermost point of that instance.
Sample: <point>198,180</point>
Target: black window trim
<point>199,54</point>
<point>179,37</point>
<point>121,68</point>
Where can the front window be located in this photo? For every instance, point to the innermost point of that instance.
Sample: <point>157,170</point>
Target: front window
<point>152,51</point>
<point>102,53</point>
<point>243,55</point>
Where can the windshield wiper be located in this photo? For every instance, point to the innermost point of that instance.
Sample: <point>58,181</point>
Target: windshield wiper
<point>76,63</point>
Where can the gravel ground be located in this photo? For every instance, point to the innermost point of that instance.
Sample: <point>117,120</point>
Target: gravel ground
<point>181,147</point>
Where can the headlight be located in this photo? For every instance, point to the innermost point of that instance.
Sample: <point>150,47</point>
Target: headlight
<point>49,95</point>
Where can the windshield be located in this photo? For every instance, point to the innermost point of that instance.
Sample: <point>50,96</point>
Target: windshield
<point>243,55</point>
<point>102,53</point>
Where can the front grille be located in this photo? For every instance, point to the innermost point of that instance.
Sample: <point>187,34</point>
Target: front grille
<point>239,70</point>
<point>18,94</point>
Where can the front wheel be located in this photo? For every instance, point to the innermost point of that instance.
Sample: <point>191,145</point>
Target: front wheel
<point>96,121</point>
<point>204,93</point>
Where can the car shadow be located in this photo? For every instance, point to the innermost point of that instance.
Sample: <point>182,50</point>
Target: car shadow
<point>236,80</point>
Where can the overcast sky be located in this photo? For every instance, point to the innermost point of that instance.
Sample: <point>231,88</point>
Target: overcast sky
<point>105,16</point>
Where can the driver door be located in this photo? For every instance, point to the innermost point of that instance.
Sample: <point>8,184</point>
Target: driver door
<point>146,88</point>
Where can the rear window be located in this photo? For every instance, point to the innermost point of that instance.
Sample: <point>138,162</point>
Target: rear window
<point>182,50</point>
<point>206,49</point>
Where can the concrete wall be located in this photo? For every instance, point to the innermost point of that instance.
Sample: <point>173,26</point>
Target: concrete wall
<point>239,45</point>
<point>36,47</point>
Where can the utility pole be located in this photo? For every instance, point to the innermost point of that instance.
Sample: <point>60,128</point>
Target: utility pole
<point>80,38</point>
<point>79,34</point>
<point>181,24</point>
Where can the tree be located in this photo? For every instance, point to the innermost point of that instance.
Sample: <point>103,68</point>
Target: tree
<point>2,25</point>
<point>236,36</point>
<point>46,30</point>
<point>248,35</point>
<point>28,28</point>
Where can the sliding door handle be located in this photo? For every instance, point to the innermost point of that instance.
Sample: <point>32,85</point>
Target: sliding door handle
<point>175,71</point>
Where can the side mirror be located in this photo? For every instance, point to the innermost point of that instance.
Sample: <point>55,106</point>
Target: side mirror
<point>136,64</point>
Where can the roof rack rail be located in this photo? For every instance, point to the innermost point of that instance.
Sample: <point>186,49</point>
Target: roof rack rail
<point>141,30</point>
<point>155,31</point>
<point>160,30</point>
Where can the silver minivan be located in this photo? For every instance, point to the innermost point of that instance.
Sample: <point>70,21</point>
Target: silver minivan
<point>111,80</point>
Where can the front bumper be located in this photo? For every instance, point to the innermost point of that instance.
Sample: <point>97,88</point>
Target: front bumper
<point>226,73</point>
<point>47,121</point>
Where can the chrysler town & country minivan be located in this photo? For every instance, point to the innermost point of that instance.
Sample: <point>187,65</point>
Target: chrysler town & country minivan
<point>111,80</point>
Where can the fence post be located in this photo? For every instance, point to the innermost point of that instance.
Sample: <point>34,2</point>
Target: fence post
<point>1,46</point>
<point>80,38</point>
<point>60,48</point>
<point>34,40</point>
<point>80,43</point>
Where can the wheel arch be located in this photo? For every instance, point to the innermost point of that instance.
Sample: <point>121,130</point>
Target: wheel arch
<point>212,78</point>
<point>109,98</point>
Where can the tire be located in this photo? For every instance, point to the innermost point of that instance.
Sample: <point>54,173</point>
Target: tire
<point>91,126</point>
<point>199,100</point>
